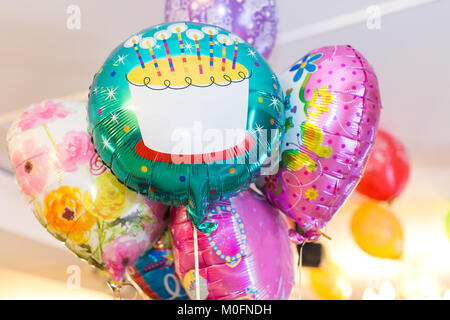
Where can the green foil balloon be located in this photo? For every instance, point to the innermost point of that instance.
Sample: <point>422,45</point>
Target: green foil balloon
<point>186,114</point>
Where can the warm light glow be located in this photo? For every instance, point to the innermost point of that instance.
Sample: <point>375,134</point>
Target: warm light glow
<point>419,257</point>
<point>345,287</point>
<point>19,285</point>
<point>426,286</point>
<point>446,295</point>
<point>387,291</point>
<point>369,294</point>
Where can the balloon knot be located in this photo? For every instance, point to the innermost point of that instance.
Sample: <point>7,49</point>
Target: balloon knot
<point>295,237</point>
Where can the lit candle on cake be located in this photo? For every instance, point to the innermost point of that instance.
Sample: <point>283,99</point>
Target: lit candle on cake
<point>196,35</point>
<point>236,40</point>
<point>149,43</point>
<point>211,31</point>
<point>178,28</point>
<point>164,35</point>
<point>133,42</point>
<point>226,41</point>
<point>224,54</point>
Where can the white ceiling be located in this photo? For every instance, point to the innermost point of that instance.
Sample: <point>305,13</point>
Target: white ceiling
<point>41,58</point>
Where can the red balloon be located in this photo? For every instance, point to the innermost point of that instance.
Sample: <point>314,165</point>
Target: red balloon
<point>387,170</point>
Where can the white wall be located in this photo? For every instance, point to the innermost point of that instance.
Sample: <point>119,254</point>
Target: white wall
<point>41,58</point>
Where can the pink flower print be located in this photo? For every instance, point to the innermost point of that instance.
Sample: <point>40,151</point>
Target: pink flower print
<point>31,162</point>
<point>42,113</point>
<point>75,149</point>
<point>121,253</point>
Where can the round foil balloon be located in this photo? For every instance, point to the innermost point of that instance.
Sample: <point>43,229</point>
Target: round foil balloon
<point>332,111</point>
<point>377,231</point>
<point>387,170</point>
<point>185,113</point>
<point>154,272</point>
<point>73,195</point>
<point>248,257</point>
<point>255,21</point>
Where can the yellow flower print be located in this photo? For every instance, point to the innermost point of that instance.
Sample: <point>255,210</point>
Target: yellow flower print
<point>311,194</point>
<point>112,197</point>
<point>326,97</point>
<point>67,215</point>
<point>312,138</point>
<point>295,160</point>
<point>319,102</point>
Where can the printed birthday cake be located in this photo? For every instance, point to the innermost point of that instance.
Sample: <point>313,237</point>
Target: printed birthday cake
<point>173,93</point>
<point>184,112</point>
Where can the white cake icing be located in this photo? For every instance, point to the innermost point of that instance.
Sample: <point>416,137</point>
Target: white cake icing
<point>170,107</point>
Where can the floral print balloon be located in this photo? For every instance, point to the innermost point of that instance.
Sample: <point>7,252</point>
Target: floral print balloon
<point>73,195</point>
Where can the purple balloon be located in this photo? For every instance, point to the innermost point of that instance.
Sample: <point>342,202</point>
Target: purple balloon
<point>254,21</point>
<point>248,257</point>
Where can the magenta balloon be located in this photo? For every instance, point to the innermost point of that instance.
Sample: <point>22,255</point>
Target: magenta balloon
<point>254,21</point>
<point>332,111</point>
<point>249,256</point>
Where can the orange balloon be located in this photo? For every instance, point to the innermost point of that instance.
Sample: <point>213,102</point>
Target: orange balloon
<point>329,282</point>
<point>377,231</point>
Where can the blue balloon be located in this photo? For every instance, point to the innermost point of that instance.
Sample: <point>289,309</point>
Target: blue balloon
<point>154,273</point>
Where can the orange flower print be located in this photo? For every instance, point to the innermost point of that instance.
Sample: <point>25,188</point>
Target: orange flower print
<point>67,214</point>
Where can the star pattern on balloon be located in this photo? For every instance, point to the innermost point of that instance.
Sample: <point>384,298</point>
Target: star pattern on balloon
<point>252,53</point>
<point>114,117</point>
<point>120,60</point>
<point>106,143</point>
<point>111,93</point>
<point>275,103</point>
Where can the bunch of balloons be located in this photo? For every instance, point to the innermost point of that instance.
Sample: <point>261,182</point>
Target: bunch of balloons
<point>374,227</point>
<point>188,115</point>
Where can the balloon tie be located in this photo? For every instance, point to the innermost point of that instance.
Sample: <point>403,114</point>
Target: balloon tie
<point>300,263</point>
<point>116,289</point>
<point>322,233</point>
